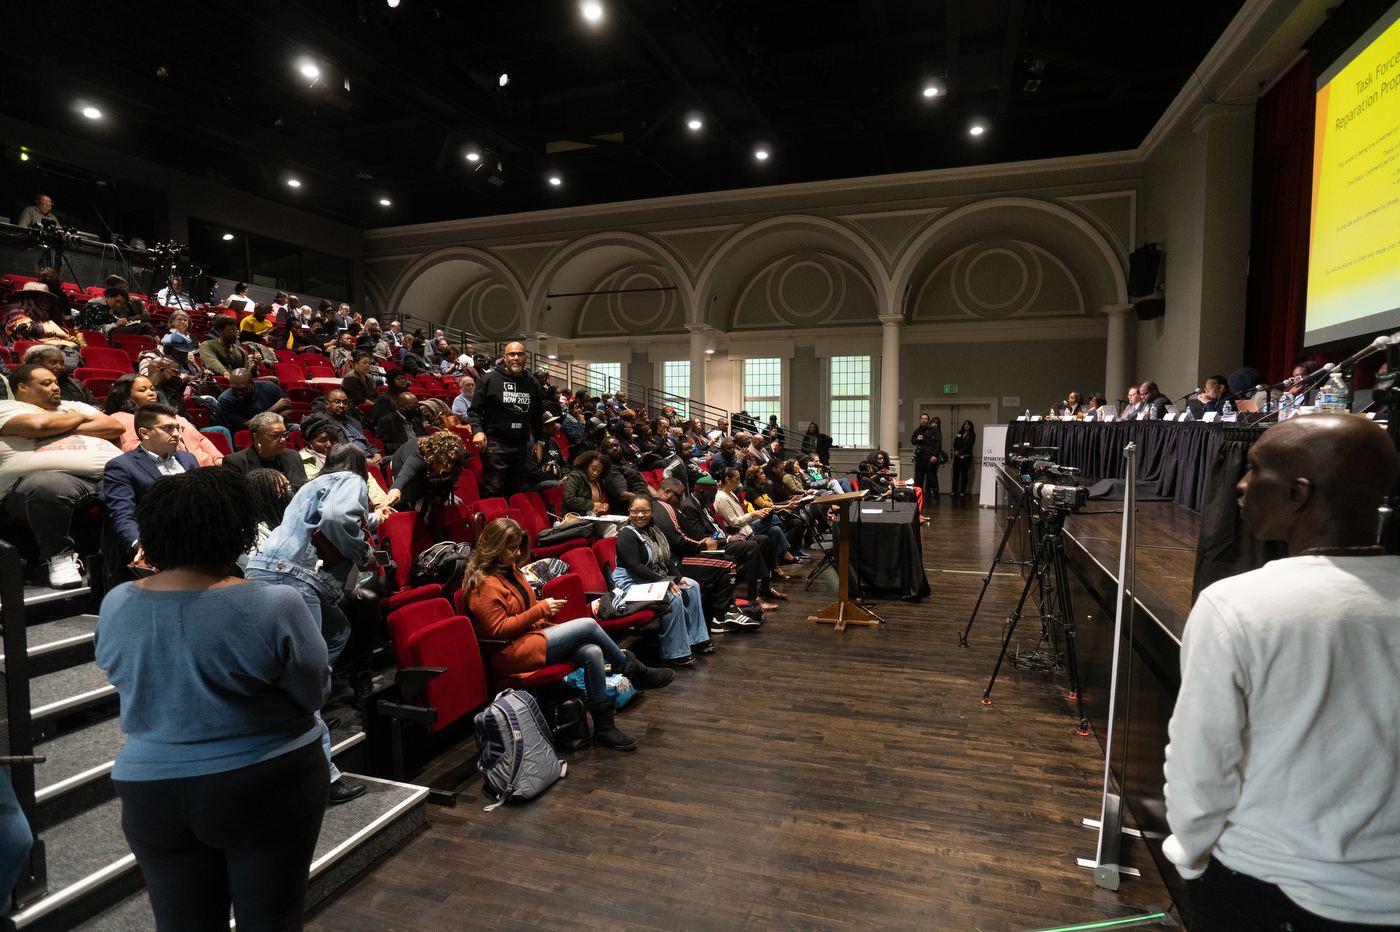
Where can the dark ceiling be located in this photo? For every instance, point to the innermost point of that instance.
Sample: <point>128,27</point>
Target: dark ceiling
<point>835,89</point>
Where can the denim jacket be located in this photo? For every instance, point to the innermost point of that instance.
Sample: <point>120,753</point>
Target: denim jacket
<point>336,504</point>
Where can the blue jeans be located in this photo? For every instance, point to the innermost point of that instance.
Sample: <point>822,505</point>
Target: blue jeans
<point>15,837</point>
<point>774,529</point>
<point>684,625</point>
<point>584,643</point>
<point>335,628</point>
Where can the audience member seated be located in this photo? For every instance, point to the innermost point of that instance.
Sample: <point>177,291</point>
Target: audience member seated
<point>33,315</point>
<point>585,488</point>
<point>681,466</point>
<point>321,435</point>
<point>744,522</point>
<point>752,553</point>
<point>336,406</point>
<point>624,481</point>
<point>173,295</point>
<point>115,312</point>
<point>644,556</point>
<point>269,450</point>
<point>221,354</point>
<point>1154,403</point>
<point>51,358</point>
<point>343,352</point>
<point>178,343</point>
<point>399,383</point>
<point>256,328</point>
<point>246,396</point>
<point>132,392</point>
<point>426,471</point>
<point>166,378</point>
<point>462,404</point>
<point>1284,757</point>
<point>238,300</point>
<point>215,718</point>
<point>52,453</point>
<point>503,606</point>
<point>545,467</point>
<point>727,458</point>
<point>126,478</point>
<point>414,362</point>
<point>318,551</point>
<point>705,560</point>
<point>405,421</point>
<point>358,384</point>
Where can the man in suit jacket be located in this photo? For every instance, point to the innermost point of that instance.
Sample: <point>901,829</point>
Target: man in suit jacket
<point>395,428</point>
<point>127,477</point>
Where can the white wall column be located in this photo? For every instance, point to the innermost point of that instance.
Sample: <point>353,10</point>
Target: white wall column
<point>534,341</point>
<point>699,342</point>
<point>889,384</point>
<point>1118,366</point>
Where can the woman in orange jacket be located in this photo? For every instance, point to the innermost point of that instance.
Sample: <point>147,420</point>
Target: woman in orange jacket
<point>503,606</point>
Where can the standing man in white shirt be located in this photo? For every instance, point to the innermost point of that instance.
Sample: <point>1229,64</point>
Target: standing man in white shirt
<point>52,453</point>
<point>1283,771</point>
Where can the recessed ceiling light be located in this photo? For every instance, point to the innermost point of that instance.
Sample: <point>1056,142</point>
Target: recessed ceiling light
<point>311,71</point>
<point>293,183</point>
<point>503,80</point>
<point>931,91</point>
<point>977,130</point>
<point>384,202</point>
<point>761,154</point>
<point>709,352</point>
<point>24,156</point>
<point>393,4</point>
<point>555,180</point>
<point>592,10</point>
<point>473,156</point>
<point>92,113</point>
<point>695,123</point>
<point>228,236</point>
<point>552,356</point>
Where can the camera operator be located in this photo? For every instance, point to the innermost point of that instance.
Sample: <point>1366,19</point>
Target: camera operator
<point>174,295</point>
<point>40,212</point>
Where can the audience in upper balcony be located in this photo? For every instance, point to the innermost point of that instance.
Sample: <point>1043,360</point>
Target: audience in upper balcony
<point>39,213</point>
<point>52,453</point>
<point>115,311</point>
<point>173,295</point>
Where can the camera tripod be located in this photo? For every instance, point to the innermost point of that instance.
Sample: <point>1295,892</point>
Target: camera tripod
<point>1023,503</point>
<point>1055,608</point>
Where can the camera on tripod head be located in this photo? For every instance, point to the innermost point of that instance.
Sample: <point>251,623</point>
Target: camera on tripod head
<point>1057,488</point>
<point>47,235</point>
<point>168,252</point>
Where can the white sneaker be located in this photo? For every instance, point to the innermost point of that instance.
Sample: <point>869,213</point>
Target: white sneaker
<point>65,571</point>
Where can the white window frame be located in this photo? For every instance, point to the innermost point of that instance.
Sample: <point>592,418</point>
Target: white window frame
<point>840,437</point>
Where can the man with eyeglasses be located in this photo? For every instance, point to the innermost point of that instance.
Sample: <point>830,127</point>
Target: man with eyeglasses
<point>269,451</point>
<point>127,478</point>
<point>507,410</point>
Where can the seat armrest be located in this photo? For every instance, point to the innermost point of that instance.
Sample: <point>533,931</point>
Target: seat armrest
<point>412,679</point>
<point>492,645</point>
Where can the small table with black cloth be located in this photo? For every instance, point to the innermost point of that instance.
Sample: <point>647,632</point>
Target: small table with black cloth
<point>887,556</point>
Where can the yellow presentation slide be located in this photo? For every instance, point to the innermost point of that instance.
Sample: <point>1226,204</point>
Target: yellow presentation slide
<point>1354,259</point>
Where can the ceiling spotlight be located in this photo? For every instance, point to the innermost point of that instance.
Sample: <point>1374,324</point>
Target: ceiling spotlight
<point>761,154</point>
<point>555,180</point>
<point>311,71</point>
<point>709,352</point>
<point>384,202</point>
<point>977,130</point>
<point>592,10</point>
<point>24,156</point>
<point>695,123</point>
<point>293,183</point>
<point>92,113</point>
<point>227,237</point>
<point>931,91</point>
<point>473,156</point>
<point>393,4</point>
<point>552,356</point>
<point>503,80</point>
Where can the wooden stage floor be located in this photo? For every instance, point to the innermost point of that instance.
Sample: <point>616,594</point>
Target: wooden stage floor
<point>798,779</point>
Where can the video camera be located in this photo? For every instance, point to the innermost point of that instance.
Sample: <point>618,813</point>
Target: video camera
<point>1053,487</point>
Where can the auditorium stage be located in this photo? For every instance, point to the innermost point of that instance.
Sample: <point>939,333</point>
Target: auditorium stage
<point>799,778</point>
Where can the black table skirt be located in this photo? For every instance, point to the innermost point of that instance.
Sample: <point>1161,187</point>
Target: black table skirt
<point>1193,463</point>
<point>886,554</point>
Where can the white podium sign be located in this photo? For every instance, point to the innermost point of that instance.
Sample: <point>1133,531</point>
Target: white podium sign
<point>993,454</point>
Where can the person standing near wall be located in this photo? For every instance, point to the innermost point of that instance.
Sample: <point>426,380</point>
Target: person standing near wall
<point>507,410</point>
<point>928,444</point>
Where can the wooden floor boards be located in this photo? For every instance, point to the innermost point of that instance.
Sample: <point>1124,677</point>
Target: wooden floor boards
<point>799,779</point>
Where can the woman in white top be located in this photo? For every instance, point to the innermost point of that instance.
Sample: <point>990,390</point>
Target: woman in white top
<point>741,522</point>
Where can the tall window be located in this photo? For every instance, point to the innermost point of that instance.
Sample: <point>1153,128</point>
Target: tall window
<point>604,377</point>
<point>763,388</point>
<point>850,401</point>
<point>675,380</point>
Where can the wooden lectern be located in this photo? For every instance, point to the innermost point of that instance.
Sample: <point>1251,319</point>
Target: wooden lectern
<point>843,611</point>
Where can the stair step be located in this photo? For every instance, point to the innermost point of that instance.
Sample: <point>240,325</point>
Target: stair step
<point>38,595</point>
<point>87,859</point>
<point>64,642</point>
<point>353,836</point>
<point>77,757</point>
<point>69,690</point>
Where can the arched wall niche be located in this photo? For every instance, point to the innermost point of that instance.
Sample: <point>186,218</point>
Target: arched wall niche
<point>457,284</point>
<point>1009,258</point>
<point>609,262</point>
<point>793,271</point>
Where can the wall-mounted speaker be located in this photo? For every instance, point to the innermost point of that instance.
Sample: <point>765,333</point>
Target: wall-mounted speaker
<point>1143,265</point>
<point>1148,308</point>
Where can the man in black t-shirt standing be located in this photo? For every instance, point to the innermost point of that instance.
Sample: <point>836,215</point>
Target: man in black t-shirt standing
<point>507,410</point>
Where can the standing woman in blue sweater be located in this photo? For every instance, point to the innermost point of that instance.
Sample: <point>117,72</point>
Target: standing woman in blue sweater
<point>222,779</point>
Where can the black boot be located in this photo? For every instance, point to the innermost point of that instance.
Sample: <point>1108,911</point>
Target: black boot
<point>644,677</point>
<point>605,733</point>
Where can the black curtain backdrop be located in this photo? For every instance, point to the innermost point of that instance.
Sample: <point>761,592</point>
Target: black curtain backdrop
<point>1194,464</point>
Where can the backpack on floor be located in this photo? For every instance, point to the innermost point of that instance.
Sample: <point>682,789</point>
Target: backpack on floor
<point>517,748</point>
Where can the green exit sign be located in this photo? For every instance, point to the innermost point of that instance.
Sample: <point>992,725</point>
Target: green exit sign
<point>950,389</point>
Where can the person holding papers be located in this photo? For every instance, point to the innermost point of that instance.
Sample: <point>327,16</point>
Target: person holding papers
<point>644,556</point>
<point>502,605</point>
